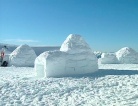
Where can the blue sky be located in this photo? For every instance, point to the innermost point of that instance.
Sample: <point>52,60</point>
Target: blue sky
<point>106,25</point>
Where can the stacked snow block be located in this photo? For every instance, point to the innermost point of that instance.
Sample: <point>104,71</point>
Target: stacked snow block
<point>108,58</point>
<point>74,58</point>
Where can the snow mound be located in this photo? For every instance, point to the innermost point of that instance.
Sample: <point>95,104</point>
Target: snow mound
<point>108,58</point>
<point>74,44</point>
<point>127,55</point>
<point>72,59</point>
<point>22,56</point>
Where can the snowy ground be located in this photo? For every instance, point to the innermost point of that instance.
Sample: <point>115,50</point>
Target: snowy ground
<point>112,85</point>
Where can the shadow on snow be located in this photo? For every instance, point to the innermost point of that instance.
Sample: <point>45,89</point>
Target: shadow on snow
<point>105,72</point>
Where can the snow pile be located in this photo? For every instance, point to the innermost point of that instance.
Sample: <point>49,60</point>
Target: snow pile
<point>75,57</point>
<point>127,55</point>
<point>22,56</point>
<point>108,58</point>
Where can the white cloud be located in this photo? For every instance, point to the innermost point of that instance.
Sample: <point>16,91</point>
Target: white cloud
<point>20,40</point>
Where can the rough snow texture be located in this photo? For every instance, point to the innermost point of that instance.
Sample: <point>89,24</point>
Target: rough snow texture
<point>107,88</point>
<point>22,56</point>
<point>108,58</point>
<point>74,58</point>
<point>127,55</point>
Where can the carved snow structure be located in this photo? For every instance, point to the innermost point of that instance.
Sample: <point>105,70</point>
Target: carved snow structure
<point>108,58</point>
<point>22,56</point>
<point>74,58</point>
<point>127,55</point>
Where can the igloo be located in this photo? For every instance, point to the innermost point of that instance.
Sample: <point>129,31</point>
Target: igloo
<point>108,58</point>
<point>74,58</point>
<point>22,56</point>
<point>127,55</point>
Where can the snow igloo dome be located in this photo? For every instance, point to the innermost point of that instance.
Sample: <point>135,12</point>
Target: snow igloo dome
<point>74,58</point>
<point>22,56</point>
<point>127,55</point>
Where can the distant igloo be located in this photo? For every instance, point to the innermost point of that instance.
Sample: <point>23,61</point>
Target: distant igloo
<point>108,58</point>
<point>74,58</point>
<point>22,56</point>
<point>127,55</point>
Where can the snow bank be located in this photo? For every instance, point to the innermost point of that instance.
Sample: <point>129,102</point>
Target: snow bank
<point>22,56</point>
<point>108,58</point>
<point>75,57</point>
<point>127,55</point>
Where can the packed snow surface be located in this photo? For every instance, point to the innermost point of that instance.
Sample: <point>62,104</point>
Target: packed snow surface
<point>22,56</point>
<point>112,85</point>
<point>75,57</point>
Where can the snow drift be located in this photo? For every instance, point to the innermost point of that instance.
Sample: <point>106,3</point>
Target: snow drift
<point>22,56</point>
<point>108,58</point>
<point>74,57</point>
<point>127,55</point>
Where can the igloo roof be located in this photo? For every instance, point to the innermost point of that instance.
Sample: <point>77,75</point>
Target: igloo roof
<point>22,56</point>
<point>22,49</point>
<point>74,44</point>
<point>125,52</point>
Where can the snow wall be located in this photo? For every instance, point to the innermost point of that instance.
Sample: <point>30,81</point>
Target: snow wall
<point>74,58</point>
<point>108,58</point>
<point>22,56</point>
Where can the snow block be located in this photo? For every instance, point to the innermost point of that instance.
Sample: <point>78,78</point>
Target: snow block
<point>108,58</point>
<point>74,58</point>
<point>127,55</point>
<point>22,56</point>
